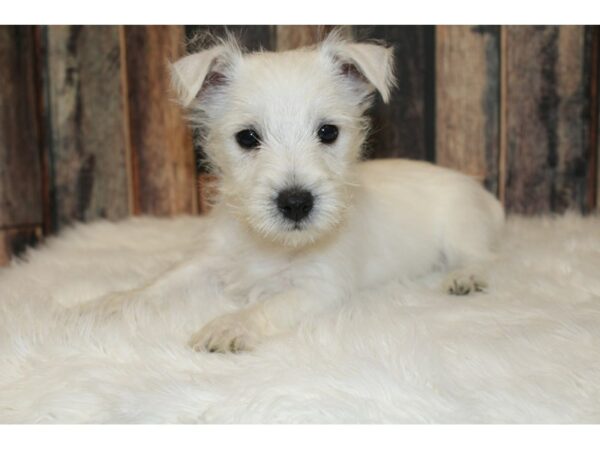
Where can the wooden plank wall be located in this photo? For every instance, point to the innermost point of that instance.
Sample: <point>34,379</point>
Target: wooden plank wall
<point>514,106</point>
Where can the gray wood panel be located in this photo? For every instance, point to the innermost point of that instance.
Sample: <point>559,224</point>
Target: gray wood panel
<point>89,148</point>
<point>547,118</point>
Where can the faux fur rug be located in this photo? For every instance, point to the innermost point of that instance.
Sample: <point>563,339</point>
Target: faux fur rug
<point>526,351</point>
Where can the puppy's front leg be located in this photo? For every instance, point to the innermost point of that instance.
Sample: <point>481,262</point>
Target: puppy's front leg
<point>244,329</point>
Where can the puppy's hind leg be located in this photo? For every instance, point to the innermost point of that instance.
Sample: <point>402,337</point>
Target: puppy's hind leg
<point>465,282</point>
<point>469,244</point>
<point>468,271</point>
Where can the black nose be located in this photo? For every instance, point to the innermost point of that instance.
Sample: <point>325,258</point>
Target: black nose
<point>295,203</point>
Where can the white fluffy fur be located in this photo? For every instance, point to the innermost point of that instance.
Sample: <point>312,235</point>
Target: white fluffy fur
<point>528,350</point>
<point>370,223</point>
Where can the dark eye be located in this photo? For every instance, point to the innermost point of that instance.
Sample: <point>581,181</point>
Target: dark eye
<point>328,134</point>
<point>248,139</point>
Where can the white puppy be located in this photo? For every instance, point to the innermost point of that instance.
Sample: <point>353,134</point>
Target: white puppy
<point>301,224</point>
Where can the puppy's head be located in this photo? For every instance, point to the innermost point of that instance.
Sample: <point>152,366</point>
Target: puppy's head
<point>284,130</point>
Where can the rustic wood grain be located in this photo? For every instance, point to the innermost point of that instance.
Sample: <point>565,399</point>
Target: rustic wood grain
<point>468,100</point>
<point>161,143</point>
<point>547,118</point>
<point>88,136</point>
<point>14,241</point>
<point>20,173</point>
<point>289,37</point>
<point>404,127</point>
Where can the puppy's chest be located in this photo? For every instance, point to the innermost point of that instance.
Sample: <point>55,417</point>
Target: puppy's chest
<point>247,277</point>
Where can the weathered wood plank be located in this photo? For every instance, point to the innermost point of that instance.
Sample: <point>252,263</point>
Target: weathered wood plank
<point>88,135</point>
<point>20,173</point>
<point>404,128</point>
<point>289,37</point>
<point>161,143</point>
<point>468,100</point>
<point>547,118</point>
<point>14,241</point>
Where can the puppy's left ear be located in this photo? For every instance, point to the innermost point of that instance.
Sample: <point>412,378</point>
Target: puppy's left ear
<point>367,66</point>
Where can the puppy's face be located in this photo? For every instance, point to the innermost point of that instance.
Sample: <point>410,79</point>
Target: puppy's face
<point>285,130</point>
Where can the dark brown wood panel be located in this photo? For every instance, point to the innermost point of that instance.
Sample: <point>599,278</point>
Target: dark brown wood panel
<point>14,241</point>
<point>547,118</point>
<point>405,127</point>
<point>20,173</point>
<point>161,144</point>
<point>89,155</point>
<point>468,100</point>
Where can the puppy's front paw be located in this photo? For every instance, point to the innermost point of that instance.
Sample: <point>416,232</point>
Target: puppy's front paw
<point>229,333</point>
<point>464,284</point>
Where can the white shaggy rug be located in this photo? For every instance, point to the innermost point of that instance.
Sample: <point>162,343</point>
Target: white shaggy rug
<point>526,351</point>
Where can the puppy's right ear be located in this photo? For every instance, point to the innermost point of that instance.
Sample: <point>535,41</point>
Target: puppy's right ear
<point>201,72</point>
